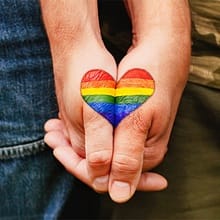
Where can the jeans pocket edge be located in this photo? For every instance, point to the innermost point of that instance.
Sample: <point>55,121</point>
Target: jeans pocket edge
<point>22,150</point>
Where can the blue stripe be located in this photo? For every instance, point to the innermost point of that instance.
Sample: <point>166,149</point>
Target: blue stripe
<point>123,110</point>
<point>105,109</point>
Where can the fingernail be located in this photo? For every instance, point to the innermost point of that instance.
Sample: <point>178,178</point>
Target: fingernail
<point>101,183</point>
<point>120,191</point>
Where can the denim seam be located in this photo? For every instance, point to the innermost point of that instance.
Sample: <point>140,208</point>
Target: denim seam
<point>22,150</point>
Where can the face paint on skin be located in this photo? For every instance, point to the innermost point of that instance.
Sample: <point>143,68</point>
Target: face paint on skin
<point>115,101</point>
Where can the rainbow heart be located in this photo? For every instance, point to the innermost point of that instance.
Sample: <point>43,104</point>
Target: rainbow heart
<point>115,101</point>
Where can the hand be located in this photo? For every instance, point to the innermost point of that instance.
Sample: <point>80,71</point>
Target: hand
<point>161,45</point>
<point>76,47</point>
<point>59,141</point>
<point>89,134</point>
<point>140,140</point>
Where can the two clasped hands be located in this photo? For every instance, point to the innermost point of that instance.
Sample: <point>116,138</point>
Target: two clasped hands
<point>117,160</point>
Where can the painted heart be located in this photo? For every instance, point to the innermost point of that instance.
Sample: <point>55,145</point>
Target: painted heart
<point>115,101</point>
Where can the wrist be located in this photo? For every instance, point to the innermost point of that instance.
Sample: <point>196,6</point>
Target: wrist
<point>69,22</point>
<point>159,18</point>
<point>163,38</point>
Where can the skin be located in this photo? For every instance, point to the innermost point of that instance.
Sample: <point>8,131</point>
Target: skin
<point>116,161</point>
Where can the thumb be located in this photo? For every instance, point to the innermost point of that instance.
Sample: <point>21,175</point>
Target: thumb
<point>129,141</point>
<point>150,181</point>
<point>98,113</point>
<point>98,145</point>
<point>133,120</point>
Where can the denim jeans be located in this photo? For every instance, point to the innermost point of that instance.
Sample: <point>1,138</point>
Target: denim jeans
<point>27,96</point>
<point>32,183</point>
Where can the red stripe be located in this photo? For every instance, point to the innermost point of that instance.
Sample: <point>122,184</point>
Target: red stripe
<point>96,75</point>
<point>137,73</point>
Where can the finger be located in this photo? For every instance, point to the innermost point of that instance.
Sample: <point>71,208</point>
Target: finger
<point>53,124</point>
<point>129,141</point>
<point>154,155</point>
<point>98,144</point>
<point>158,136</point>
<point>56,139</point>
<point>56,124</point>
<point>151,182</point>
<point>73,163</point>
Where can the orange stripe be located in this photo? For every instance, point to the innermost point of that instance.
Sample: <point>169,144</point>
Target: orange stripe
<point>98,84</point>
<point>139,83</point>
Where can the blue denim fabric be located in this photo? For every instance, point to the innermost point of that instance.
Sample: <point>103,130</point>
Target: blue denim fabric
<point>33,187</point>
<point>32,183</point>
<point>27,96</point>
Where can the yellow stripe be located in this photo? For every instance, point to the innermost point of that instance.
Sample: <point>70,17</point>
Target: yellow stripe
<point>133,91</point>
<point>98,91</point>
<point>119,92</point>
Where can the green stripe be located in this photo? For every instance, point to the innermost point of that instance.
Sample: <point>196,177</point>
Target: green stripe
<point>132,99</point>
<point>99,98</point>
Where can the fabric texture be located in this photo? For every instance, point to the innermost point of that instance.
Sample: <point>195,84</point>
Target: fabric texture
<point>205,65</point>
<point>27,96</point>
<point>33,187</point>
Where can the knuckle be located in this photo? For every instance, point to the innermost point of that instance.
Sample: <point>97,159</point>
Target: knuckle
<point>125,164</point>
<point>99,158</point>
